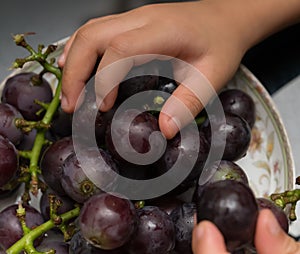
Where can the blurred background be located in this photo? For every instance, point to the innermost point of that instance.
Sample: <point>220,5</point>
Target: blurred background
<point>275,61</point>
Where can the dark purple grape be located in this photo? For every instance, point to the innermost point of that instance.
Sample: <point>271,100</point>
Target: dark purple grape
<point>21,91</point>
<point>108,221</point>
<point>166,203</point>
<point>232,207</point>
<point>14,185</point>
<point>155,233</point>
<point>238,102</point>
<point>190,150</point>
<point>264,203</point>
<point>61,125</point>
<point>9,163</point>
<point>140,78</point>
<point>141,127</point>
<point>78,245</point>
<point>184,219</point>
<point>10,227</point>
<point>27,142</point>
<point>52,161</point>
<point>75,178</point>
<point>8,115</point>
<point>233,134</point>
<point>60,247</point>
<point>66,204</point>
<point>220,170</point>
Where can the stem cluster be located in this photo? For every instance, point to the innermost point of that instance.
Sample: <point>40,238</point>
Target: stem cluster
<point>31,174</point>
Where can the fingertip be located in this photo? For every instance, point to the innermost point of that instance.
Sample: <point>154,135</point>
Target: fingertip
<point>270,237</point>
<point>168,125</point>
<point>67,106</point>
<point>61,60</point>
<point>208,239</point>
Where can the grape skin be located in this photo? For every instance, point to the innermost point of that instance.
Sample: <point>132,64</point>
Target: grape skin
<point>8,161</point>
<point>238,102</point>
<point>10,227</point>
<point>75,180</point>
<point>8,115</point>
<point>232,207</point>
<point>20,92</point>
<point>233,134</point>
<point>52,161</point>
<point>108,221</point>
<point>155,233</point>
<point>184,218</point>
<point>141,127</point>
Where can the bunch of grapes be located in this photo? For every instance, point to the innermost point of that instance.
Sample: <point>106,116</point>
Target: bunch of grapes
<point>101,197</point>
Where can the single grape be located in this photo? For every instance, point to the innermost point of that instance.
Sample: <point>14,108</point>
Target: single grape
<point>27,142</point>
<point>240,103</point>
<point>52,161</point>
<point>75,178</point>
<point>60,247</point>
<point>8,115</point>
<point>10,227</point>
<point>190,149</point>
<point>21,91</point>
<point>233,134</point>
<point>155,233</point>
<point>232,207</point>
<point>78,245</point>
<point>184,219</point>
<point>61,125</point>
<point>264,203</point>
<point>140,129</point>
<point>220,170</point>
<point>9,163</point>
<point>108,221</point>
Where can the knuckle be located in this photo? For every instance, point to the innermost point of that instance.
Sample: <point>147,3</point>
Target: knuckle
<point>120,45</point>
<point>82,34</point>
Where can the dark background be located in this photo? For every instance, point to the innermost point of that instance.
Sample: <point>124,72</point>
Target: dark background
<point>274,61</point>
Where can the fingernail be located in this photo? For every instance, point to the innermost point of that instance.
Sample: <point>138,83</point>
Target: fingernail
<point>272,225</point>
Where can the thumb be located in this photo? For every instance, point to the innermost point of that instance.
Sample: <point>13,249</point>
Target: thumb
<point>208,239</point>
<point>270,238</point>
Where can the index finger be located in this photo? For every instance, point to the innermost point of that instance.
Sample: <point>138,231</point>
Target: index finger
<point>85,47</point>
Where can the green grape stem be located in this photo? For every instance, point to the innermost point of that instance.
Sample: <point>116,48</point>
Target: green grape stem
<point>51,108</point>
<point>26,242</point>
<point>288,197</point>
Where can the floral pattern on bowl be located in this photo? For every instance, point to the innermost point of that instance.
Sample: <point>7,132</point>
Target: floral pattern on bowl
<point>269,162</point>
